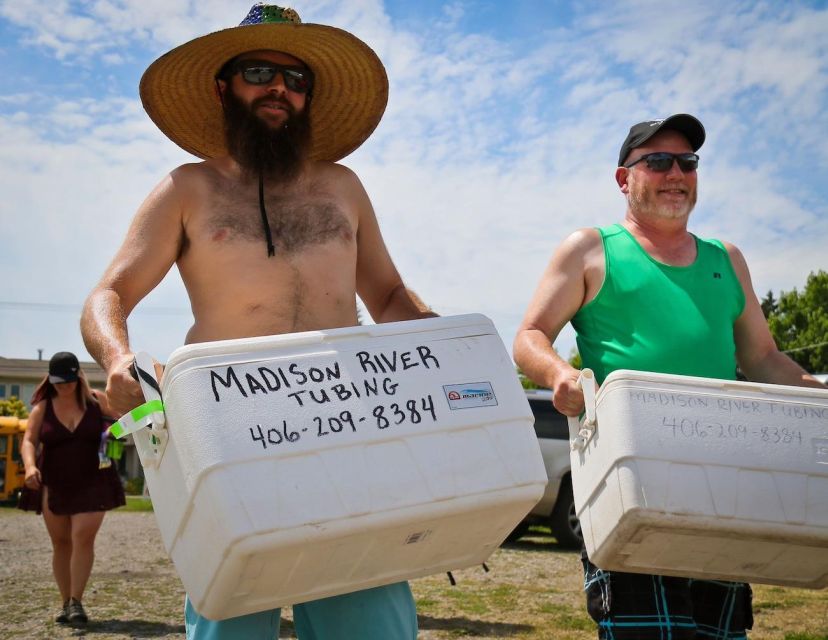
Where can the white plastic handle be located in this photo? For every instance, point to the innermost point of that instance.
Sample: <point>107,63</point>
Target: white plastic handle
<point>147,422</point>
<point>585,429</point>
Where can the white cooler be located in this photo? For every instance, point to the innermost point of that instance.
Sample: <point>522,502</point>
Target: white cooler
<point>704,478</point>
<point>307,465</point>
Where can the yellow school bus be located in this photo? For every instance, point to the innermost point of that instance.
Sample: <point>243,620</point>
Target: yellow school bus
<point>11,464</point>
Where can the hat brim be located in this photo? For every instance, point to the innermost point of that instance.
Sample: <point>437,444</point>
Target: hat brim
<point>178,90</point>
<point>63,378</point>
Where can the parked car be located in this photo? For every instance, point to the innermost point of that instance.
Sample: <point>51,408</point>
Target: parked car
<point>557,506</point>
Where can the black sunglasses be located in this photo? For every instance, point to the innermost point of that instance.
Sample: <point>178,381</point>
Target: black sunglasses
<point>297,79</point>
<point>661,161</point>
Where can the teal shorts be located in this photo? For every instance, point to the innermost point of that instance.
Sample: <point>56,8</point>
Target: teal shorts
<point>382,613</point>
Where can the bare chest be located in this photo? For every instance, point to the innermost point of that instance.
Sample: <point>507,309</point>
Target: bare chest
<point>69,415</point>
<point>299,221</point>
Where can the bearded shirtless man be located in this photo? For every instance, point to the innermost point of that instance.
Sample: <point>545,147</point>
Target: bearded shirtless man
<point>270,235</point>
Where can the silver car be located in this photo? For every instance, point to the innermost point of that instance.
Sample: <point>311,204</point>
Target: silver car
<point>557,506</point>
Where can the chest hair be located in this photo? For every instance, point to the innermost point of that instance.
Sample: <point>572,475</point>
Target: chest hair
<point>299,217</point>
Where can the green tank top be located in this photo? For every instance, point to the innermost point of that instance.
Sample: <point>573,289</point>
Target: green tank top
<point>650,316</point>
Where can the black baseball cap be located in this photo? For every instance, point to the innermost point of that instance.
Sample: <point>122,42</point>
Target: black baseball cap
<point>63,367</point>
<point>689,126</point>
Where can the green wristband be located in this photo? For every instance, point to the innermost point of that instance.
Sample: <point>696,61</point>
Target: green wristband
<point>132,421</point>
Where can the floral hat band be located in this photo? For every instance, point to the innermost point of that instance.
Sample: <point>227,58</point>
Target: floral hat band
<point>260,13</point>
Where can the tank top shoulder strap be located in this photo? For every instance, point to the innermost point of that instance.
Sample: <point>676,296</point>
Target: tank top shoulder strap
<point>610,231</point>
<point>713,246</point>
<point>618,245</point>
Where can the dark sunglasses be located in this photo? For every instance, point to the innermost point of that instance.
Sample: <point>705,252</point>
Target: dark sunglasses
<point>297,79</point>
<point>661,161</point>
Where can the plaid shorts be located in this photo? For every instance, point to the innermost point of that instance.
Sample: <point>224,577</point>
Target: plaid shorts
<point>630,606</point>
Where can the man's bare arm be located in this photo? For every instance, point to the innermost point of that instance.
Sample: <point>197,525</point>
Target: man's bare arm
<point>148,252</point>
<point>756,351</point>
<point>403,304</point>
<point>378,282</point>
<point>559,295</point>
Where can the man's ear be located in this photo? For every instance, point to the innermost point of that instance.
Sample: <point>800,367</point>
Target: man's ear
<point>219,89</point>
<point>621,174</point>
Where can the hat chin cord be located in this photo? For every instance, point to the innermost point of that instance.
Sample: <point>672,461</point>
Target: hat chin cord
<point>271,250</point>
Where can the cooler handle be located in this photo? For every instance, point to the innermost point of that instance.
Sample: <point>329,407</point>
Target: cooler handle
<point>147,422</point>
<point>585,429</point>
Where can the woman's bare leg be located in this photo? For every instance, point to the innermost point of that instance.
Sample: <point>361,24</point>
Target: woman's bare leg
<point>85,527</point>
<point>60,531</point>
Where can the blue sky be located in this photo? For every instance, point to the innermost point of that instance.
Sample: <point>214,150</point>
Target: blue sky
<point>500,138</point>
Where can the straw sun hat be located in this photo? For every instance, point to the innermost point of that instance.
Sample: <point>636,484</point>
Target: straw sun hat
<point>349,96</point>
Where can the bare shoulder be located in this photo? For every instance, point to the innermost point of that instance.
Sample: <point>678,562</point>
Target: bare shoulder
<point>174,186</point>
<point>732,249</point>
<point>334,170</point>
<point>103,402</point>
<point>584,244</point>
<point>37,413</point>
<point>336,175</point>
<point>585,238</point>
<point>196,175</point>
<point>191,187</point>
<point>737,259</point>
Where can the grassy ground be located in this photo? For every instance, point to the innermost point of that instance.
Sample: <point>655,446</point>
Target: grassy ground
<point>532,591</point>
<point>137,503</point>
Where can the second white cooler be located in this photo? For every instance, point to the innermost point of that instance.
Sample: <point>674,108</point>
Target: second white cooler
<point>705,478</point>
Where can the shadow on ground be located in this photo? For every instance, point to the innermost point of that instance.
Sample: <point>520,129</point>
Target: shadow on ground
<point>465,626</point>
<point>132,628</point>
<point>138,629</point>
<point>539,543</point>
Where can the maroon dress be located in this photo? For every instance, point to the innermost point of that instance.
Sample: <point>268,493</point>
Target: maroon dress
<point>69,467</point>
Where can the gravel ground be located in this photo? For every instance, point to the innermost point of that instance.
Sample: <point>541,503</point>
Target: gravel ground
<point>134,591</point>
<point>533,591</point>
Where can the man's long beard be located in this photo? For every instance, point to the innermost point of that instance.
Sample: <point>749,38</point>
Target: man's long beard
<point>278,154</point>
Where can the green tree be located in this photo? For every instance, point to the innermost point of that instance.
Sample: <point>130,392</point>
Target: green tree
<point>575,359</point>
<point>769,304</point>
<point>13,407</point>
<point>526,382</point>
<point>799,323</point>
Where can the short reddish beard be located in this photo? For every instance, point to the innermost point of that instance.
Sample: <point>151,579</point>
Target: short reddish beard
<point>642,199</point>
<point>278,154</point>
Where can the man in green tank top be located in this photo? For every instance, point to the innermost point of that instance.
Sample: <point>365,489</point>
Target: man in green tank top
<point>648,295</point>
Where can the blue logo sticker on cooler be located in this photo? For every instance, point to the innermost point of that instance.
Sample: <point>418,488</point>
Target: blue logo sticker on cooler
<point>470,395</point>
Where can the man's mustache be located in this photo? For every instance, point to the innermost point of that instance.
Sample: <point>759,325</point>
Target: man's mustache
<point>273,100</point>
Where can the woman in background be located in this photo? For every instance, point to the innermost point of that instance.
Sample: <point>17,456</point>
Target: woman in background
<point>67,481</point>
